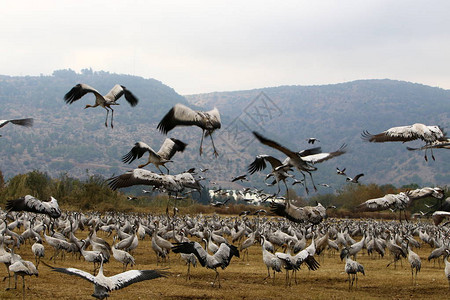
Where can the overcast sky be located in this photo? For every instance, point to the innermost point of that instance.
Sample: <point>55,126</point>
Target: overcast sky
<point>206,46</point>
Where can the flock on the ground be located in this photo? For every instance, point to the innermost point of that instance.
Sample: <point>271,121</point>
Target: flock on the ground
<point>283,239</point>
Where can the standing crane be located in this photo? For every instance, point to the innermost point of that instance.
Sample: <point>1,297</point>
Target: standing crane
<point>428,134</point>
<point>160,158</point>
<point>181,115</point>
<point>105,101</point>
<point>351,268</point>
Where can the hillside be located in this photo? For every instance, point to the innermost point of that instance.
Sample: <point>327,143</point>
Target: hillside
<point>69,139</point>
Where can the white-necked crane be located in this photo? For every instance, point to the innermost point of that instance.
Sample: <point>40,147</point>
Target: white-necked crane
<point>428,134</point>
<point>105,101</point>
<point>28,122</point>
<point>104,284</point>
<point>181,115</point>
<point>31,204</point>
<point>160,158</point>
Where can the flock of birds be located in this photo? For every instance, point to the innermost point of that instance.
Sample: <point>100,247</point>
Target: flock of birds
<point>290,232</point>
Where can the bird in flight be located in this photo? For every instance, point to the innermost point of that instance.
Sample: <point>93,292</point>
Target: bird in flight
<point>160,158</point>
<point>354,179</point>
<point>428,134</point>
<point>105,101</point>
<point>181,115</point>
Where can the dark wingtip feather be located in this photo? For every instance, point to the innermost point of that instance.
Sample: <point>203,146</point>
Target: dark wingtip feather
<point>181,145</point>
<point>132,99</point>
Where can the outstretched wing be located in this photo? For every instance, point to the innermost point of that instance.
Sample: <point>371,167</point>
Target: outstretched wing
<point>405,134</point>
<point>124,279</point>
<point>73,271</point>
<point>31,204</point>
<point>117,91</point>
<point>135,177</point>
<point>137,151</point>
<point>179,115</point>
<point>191,247</point>
<point>320,157</point>
<point>170,147</point>
<point>274,145</point>
<point>79,91</point>
<point>22,122</point>
<point>259,163</point>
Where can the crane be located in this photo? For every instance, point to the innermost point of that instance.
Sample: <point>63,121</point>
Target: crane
<point>104,284</point>
<point>351,268</point>
<point>428,134</point>
<point>181,115</point>
<point>221,258</point>
<point>106,101</point>
<point>160,158</point>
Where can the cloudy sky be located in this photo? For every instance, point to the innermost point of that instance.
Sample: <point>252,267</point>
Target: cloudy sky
<point>206,46</point>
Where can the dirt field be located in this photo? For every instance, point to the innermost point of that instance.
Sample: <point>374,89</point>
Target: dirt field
<point>241,280</point>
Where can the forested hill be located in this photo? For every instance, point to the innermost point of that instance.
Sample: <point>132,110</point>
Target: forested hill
<point>73,140</point>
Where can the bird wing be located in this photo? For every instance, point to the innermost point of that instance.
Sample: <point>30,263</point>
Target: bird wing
<point>358,176</point>
<point>292,213</point>
<point>191,247</point>
<point>117,91</point>
<point>404,134</point>
<point>438,144</point>
<point>22,122</point>
<point>31,204</point>
<point>79,91</point>
<point>259,163</point>
<point>304,256</point>
<point>124,279</point>
<point>320,157</point>
<point>170,147</point>
<point>73,271</point>
<point>135,177</point>
<point>179,115</point>
<point>137,151</point>
<point>376,204</point>
<point>275,145</point>
<point>225,253</point>
<point>438,216</point>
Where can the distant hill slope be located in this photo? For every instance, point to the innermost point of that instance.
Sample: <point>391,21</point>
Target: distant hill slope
<point>69,139</point>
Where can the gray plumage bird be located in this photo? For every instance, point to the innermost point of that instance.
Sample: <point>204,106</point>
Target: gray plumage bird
<point>351,268</point>
<point>221,258</point>
<point>428,134</point>
<point>181,115</point>
<point>160,158</point>
<point>104,284</point>
<point>106,101</point>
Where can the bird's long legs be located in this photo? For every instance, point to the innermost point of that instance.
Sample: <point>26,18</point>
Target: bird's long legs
<point>214,147</point>
<point>106,120</point>
<point>201,142</point>
<point>112,117</point>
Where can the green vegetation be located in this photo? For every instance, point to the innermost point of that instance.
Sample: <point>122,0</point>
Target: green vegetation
<point>93,194</point>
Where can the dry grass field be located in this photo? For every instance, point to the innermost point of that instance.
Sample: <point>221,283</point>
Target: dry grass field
<point>241,280</point>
